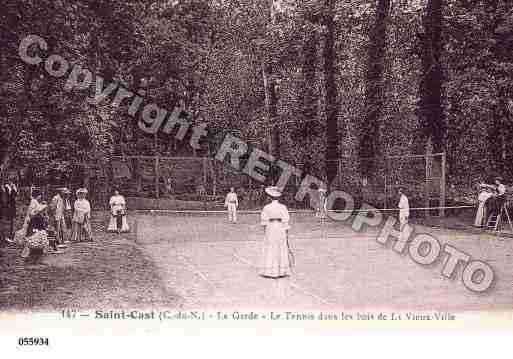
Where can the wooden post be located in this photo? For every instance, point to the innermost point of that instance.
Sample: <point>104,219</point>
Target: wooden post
<point>157,175</point>
<point>339,173</point>
<point>385,205</point>
<point>442,185</point>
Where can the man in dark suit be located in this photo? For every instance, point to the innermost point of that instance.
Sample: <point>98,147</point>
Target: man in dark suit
<point>3,206</point>
<point>10,194</point>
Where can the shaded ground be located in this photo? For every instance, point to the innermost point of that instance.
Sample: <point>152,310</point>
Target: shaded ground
<point>110,273</point>
<point>465,224</point>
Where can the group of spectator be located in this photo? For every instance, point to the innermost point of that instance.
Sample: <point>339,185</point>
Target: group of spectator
<point>491,200</point>
<point>47,227</point>
<point>50,228</point>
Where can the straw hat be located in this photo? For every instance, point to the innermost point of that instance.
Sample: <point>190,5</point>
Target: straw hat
<point>63,190</point>
<point>273,192</point>
<point>36,193</point>
<point>488,186</point>
<point>82,190</point>
<point>322,190</point>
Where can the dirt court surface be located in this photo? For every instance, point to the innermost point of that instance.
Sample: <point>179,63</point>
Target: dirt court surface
<point>203,262</point>
<point>211,264</point>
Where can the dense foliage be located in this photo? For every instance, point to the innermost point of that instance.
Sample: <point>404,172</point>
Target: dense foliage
<point>308,80</point>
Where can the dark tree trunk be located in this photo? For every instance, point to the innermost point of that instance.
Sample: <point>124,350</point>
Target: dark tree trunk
<point>500,131</point>
<point>275,129</point>
<point>272,112</point>
<point>309,96</point>
<point>370,128</point>
<point>430,111</point>
<point>330,59</point>
<point>16,110</point>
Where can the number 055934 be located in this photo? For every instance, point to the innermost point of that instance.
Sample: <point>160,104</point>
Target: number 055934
<point>33,341</point>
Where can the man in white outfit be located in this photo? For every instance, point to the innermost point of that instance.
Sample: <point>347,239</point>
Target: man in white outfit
<point>232,203</point>
<point>404,214</point>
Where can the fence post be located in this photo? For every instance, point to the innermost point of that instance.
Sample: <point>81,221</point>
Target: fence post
<point>339,173</point>
<point>157,175</point>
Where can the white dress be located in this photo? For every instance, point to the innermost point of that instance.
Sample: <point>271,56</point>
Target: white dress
<point>232,203</point>
<point>480,214</point>
<point>81,230</point>
<point>404,214</point>
<point>275,261</point>
<point>117,203</point>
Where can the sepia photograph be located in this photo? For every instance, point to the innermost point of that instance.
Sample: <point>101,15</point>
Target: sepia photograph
<point>277,165</point>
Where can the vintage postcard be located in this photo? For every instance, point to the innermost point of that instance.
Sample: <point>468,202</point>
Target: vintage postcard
<point>186,167</point>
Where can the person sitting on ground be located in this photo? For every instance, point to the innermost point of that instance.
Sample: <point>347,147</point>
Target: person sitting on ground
<point>37,231</point>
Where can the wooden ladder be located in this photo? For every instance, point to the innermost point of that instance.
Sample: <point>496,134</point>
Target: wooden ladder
<point>494,222</point>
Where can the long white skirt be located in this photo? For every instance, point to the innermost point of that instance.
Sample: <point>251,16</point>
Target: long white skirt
<point>480,215</point>
<point>113,224</point>
<point>275,261</point>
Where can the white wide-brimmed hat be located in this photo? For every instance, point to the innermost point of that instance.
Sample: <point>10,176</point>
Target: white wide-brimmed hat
<point>82,190</point>
<point>322,190</point>
<point>273,191</point>
<point>489,186</point>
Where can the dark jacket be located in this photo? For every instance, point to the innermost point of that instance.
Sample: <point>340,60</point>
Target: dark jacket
<point>37,222</point>
<point>10,202</point>
<point>3,202</point>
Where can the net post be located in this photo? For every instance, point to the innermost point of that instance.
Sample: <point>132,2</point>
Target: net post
<point>442,186</point>
<point>385,205</point>
<point>204,173</point>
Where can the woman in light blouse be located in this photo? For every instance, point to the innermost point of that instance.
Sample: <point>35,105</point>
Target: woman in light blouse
<point>81,218</point>
<point>118,221</point>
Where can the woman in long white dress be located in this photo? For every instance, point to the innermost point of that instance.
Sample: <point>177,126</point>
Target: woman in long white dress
<point>484,195</point>
<point>81,218</point>
<point>276,260</point>
<point>118,221</point>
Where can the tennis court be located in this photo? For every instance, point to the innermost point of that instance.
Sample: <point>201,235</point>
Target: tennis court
<point>210,263</point>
